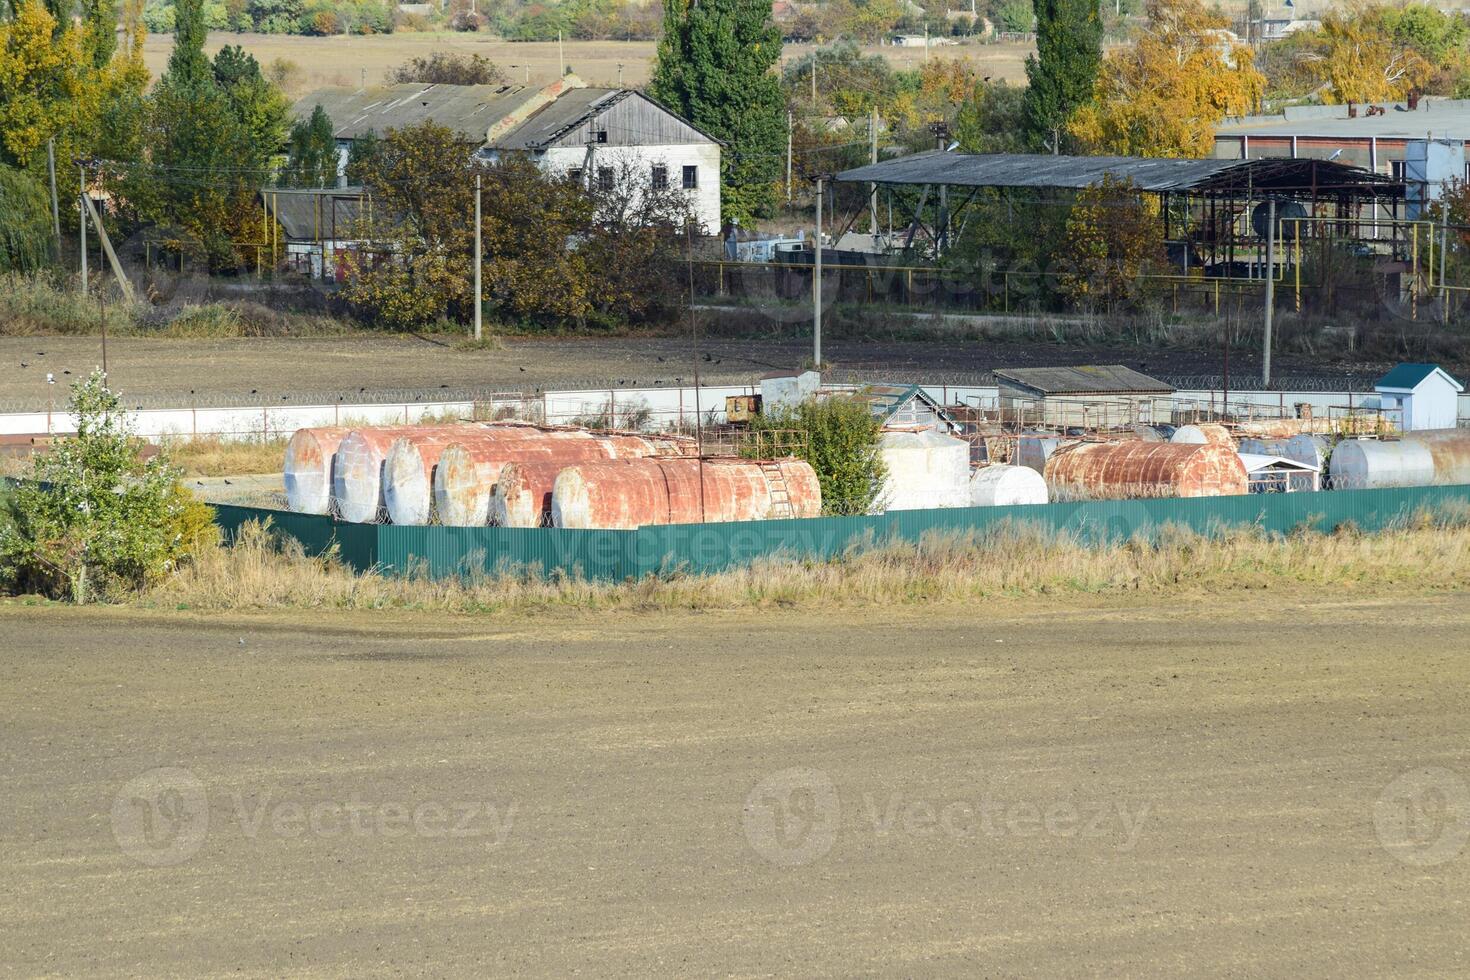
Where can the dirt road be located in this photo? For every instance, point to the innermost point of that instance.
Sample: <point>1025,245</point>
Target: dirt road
<point>1243,786</point>
<point>254,371</point>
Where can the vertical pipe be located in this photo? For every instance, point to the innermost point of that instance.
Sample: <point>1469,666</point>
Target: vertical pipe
<point>1270,289</point>
<point>55,202</point>
<point>1414,275</point>
<point>790,127</point>
<point>477,258</point>
<point>82,205</point>
<point>873,184</point>
<point>817,282</point>
<point>1444,247</point>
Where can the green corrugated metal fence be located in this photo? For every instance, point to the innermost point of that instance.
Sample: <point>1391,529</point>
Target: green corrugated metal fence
<point>698,548</point>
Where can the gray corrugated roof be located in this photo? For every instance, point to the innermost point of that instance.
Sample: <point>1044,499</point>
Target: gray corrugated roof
<point>566,113</point>
<point>1086,379</point>
<point>1276,174</point>
<point>469,110</point>
<point>1035,170</point>
<point>297,211</point>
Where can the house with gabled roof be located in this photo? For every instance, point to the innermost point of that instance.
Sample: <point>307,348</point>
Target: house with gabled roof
<point>1420,396</point>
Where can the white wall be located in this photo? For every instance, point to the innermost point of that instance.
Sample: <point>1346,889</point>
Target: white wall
<point>705,156</point>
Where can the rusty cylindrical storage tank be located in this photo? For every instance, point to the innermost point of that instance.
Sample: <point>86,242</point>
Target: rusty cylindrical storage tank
<point>630,493</point>
<point>521,496</point>
<point>357,481</point>
<point>466,475</point>
<point>307,469</point>
<point>408,469</point>
<point>1145,469</point>
<point>1451,451</point>
<point>1205,432</point>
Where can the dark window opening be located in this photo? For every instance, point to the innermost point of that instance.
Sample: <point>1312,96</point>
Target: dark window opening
<point>660,177</point>
<point>604,178</point>
<point>602,136</point>
<point>575,175</point>
<point>691,178</point>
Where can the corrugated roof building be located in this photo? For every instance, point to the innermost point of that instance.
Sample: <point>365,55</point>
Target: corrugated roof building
<point>597,135</point>
<point>1088,396</point>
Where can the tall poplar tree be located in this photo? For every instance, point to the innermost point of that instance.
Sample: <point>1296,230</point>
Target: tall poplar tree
<point>1064,69</point>
<point>715,69</point>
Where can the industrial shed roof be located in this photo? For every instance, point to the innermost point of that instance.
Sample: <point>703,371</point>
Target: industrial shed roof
<point>895,404</point>
<point>1149,174</point>
<point>563,115</point>
<point>314,215</point>
<point>1086,379</point>
<point>1407,377</point>
<point>469,110</point>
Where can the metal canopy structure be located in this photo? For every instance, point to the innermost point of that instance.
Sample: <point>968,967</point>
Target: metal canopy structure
<point>1208,207</point>
<point>1200,177</point>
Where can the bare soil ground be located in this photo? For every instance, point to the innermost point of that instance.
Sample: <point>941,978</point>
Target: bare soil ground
<point>348,60</point>
<point>1251,785</point>
<point>251,371</point>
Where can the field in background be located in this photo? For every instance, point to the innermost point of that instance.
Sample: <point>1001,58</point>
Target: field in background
<point>348,60</point>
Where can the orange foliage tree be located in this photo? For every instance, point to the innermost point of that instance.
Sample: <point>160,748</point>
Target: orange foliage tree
<point>1163,94</point>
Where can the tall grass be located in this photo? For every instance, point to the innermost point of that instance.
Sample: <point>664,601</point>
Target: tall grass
<point>212,456</point>
<point>261,571</point>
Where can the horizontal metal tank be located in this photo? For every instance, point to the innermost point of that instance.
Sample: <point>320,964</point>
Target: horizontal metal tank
<point>307,468</point>
<point>632,493</point>
<point>1301,448</point>
<point>1034,449</point>
<point>999,485</point>
<point>465,478</point>
<point>408,470</point>
<point>1451,451</point>
<point>926,469</point>
<point>1204,433</point>
<point>1145,469</point>
<point>521,496</point>
<point>1366,464</point>
<point>357,479</point>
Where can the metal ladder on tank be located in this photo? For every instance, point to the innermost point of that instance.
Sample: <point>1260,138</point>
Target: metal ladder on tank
<point>780,494</point>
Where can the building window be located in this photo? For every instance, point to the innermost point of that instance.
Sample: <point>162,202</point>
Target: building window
<point>602,136</point>
<point>660,177</point>
<point>575,175</point>
<point>1396,169</point>
<point>604,178</point>
<point>691,178</point>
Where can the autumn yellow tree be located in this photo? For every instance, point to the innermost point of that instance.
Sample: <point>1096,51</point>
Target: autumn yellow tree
<point>60,84</point>
<point>1114,240</point>
<point>1360,57</point>
<point>1163,94</point>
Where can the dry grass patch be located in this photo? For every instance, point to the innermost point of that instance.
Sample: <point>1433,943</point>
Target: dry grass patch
<point>219,457</point>
<point>263,571</point>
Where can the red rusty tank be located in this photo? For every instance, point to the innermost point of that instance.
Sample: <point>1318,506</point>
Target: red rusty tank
<point>1145,469</point>
<point>521,496</point>
<point>307,469</point>
<point>357,479</point>
<point>466,475</point>
<point>408,469</point>
<point>636,492</point>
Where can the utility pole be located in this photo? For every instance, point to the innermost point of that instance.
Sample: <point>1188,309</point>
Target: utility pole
<point>1270,289</point>
<point>620,74</point>
<point>790,127</point>
<point>561,56</point>
<point>873,184</point>
<point>1444,246</point>
<point>817,284</point>
<point>82,207</point>
<point>814,79</point>
<point>478,303</point>
<point>55,202</point>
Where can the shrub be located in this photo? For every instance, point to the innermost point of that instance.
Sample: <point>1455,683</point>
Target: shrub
<point>93,520</point>
<point>840,439</point>
<point>448,68</point>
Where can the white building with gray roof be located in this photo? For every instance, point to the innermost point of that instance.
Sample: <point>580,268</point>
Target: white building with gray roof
<point>566,127</point>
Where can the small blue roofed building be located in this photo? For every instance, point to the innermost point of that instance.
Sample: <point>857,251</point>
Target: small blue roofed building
<point>1420,396</point>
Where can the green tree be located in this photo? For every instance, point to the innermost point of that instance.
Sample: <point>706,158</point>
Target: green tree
<point>1064,69</point>
<point>187,63</point>
<point>92,519</point>
<point>992,120</point>
<point>100,20</point>
<point>715,69</point>
<point>26,239</point>
<point>311,152</point>
<point>258,105</point>
<point>840,439</point>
